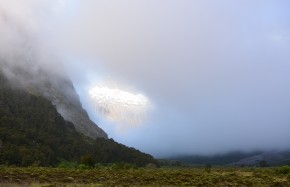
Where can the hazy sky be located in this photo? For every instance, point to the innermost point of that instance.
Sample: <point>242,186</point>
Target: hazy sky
<point>217,73</point>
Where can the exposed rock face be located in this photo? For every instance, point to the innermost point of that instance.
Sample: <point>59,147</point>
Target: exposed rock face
<point>59,90</point>
<point>63,95</point>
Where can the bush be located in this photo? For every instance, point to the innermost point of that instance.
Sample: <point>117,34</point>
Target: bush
<point>88,160</point>
<point>284,170</point>
<point>207,168</point>
<point>99,165</point>
<point>83,166</point>
<point>151,166</point>
<point>66,164</point>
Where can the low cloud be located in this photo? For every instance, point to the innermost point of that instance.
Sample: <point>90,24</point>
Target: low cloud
<point>217,72</point>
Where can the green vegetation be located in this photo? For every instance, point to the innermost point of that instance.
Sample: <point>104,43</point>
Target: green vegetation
<point>284,170</point>
<point>33,133</point>
<point>39,148</point>
<point>221,159</point>
<point>114,176</point>
<point>242,159</point>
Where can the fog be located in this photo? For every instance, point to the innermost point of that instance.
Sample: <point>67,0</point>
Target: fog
<point>217,72</point>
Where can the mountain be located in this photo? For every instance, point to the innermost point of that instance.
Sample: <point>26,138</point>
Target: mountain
<point>219,159</point>
<point>59,90</point>
<point>271,158</point>
<point>238,158</point>
<point>33,132</point>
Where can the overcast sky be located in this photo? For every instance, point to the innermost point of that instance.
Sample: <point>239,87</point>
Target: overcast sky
<point>217,73</point>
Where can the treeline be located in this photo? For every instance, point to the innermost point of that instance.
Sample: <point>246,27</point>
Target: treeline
<point>220,159</point>
<point>32,132</point>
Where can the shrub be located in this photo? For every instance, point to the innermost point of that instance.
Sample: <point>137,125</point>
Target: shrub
<point>284,170</point>
<point>88,160</point>
<point>151,166</point>
<point>67,164</point>
<point>207,168</point>
<point>83,166</point>
<point>99,165</point>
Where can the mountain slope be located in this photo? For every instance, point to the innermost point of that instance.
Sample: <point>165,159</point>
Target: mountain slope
<point>271,158</point>
<point>238,158</point>
<point>61,92</point>
<point>58,89</point>
<point>33,132</point>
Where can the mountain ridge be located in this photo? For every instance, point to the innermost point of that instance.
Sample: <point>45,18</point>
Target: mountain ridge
<point>59,90</point>
<point>238,158</point>
<point>33,132</point>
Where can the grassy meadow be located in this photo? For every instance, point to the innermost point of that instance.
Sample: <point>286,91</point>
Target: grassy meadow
<point>109,176</point>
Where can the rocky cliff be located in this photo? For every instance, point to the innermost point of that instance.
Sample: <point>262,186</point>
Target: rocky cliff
<point>63,95</point>
<point>33,133</point>
<point>59,89</point>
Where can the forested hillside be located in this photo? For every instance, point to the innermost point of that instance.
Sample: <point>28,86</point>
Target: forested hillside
<point>239,158</point>
<point>33,132</point>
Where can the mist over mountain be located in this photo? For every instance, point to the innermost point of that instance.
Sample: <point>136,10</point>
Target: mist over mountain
<point>238,158</point>
<point>56,87</point>
<point>215,73</point>
<point>31,64</point>
<point>33,132</point>
<point>42,120</point>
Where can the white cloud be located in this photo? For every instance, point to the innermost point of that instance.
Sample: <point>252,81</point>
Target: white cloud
<point>221,65</point>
